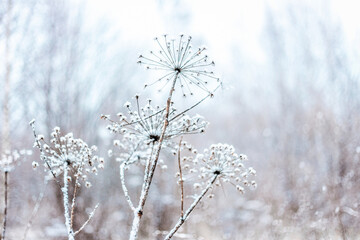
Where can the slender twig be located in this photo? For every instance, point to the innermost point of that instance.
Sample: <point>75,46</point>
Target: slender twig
<point>65,192</point>
<point>6,204</point>
<point>181,181</point>
<point>188,109</point>
<point>73,201</point>
<point>35,210</point>
<point>144,193</point>
<point>32,124</point>
<point>123,185</point>
<point>181,220</point>
<point>87,221</point>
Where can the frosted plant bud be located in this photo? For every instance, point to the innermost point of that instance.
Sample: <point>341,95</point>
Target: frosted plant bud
<point>127,104</point>
<point>41,137</point>
<point>69,179</point>
<point>35,165</point>
<point>252,171</point>
<point>110,153</point>
<point>240,189</point>
<point>104,116</point>
<point>88,184</point>
<point>243,157</point>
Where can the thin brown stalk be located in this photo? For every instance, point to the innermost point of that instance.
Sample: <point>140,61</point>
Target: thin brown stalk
<point>181,181</point>
<point>6,204</point>
<point>73,203</point>
<point>181,220</point>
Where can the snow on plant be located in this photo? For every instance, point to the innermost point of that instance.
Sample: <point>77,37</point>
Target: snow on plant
<point>148,130</point>
<point>146,123</point>
<point>72,158</point>
<point>222,163</point>
<point>10,159</point>
<point>178,60</point>
<point>216,165</point>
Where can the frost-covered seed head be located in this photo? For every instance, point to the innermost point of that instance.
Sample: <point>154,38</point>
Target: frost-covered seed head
<point>66,151</point>
<point>146,124</point>
<point>9,159</point>
<point>220,160</point>
<point>178,59</point>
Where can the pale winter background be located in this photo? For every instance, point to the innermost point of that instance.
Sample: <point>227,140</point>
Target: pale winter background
<point>290,102</point>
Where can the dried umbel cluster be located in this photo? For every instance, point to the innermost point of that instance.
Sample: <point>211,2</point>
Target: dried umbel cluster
<point>148,130</point>
<point>10,159</point>
<point>65,151</point>
<point>220,161</point>
<point>145,124</point>
<point>178,59</point>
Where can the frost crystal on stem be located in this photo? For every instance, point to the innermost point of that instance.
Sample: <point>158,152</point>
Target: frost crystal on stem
<point>177,58</point>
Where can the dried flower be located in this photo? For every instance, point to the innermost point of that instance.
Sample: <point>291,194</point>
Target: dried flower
<point>9,159</point>
<point>177,60</point>
<point>65,150</point>
<point>146,123</point>
<point>220,160</point>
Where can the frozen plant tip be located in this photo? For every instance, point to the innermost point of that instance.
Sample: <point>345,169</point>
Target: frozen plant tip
<point>221,161</point>
<point>146,123</point>
<point>178,60</point>
<point>65,150</point>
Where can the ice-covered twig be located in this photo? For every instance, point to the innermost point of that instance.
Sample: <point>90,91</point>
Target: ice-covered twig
<point>38,145</point>
<point>181,181</point>
<point>5,204</point>
<point>65,192</point>
<point>123,185</point>
<point>182,219</point>
<point>87,221</point>
<point>74,197</point>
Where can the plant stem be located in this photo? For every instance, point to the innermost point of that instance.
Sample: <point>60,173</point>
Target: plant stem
<point>5,206</point>
<point>66,203</point>
<point>147,182</point>
<point>190,209</point>
<point>181,181</point>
